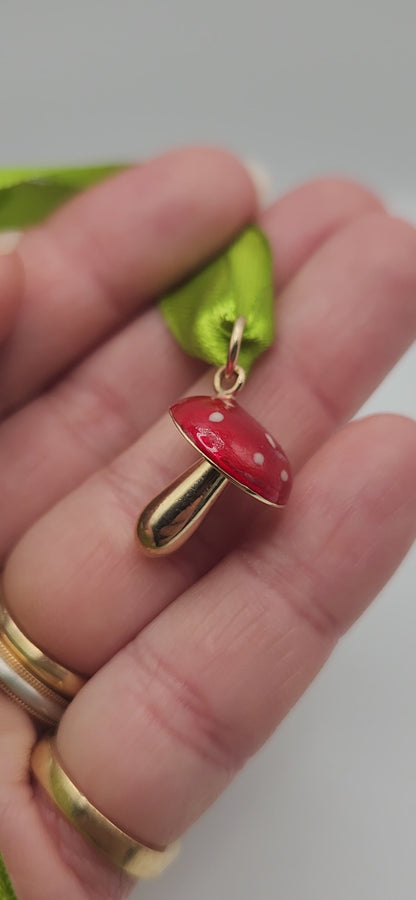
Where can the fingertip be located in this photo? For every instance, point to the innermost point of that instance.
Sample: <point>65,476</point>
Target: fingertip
<point>9,241</point>
<point>303,219</point>
<point>261,179</point>
<point>391,430</point>
<point>394,435</point>
<point>377,458</point>
<point>182,207</point>
<point>245,182</point>
<point>352,195</point>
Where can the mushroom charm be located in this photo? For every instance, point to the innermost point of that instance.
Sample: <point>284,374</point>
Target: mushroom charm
<point>234,447</point>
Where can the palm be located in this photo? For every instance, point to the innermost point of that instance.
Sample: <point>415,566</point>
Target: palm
<point>198,659</point>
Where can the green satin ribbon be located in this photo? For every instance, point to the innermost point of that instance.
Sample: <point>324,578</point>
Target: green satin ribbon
<point>201,311</point>
<point>6,890</point>
<point>28,195</point>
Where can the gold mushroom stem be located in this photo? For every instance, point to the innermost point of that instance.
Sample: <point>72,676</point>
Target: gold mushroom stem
<point>170,519</point>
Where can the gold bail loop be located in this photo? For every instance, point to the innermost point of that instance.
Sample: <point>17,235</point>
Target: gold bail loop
<point>231,377</point>
<point>235,346</point>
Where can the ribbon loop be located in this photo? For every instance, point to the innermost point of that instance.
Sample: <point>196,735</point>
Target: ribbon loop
<point>201,312</point>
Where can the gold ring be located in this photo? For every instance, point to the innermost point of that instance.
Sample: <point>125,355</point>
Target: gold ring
<point>47,670</point>
<point>124,851</point>
<point>27,691</point>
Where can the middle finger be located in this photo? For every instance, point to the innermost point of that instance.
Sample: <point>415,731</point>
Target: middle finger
<point>78,582</point>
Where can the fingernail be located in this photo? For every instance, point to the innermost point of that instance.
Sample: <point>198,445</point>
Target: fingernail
<point>261,179</point>
<point>9,241</point>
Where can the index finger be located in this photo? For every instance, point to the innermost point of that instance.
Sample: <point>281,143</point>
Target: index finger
<point>105,254</point>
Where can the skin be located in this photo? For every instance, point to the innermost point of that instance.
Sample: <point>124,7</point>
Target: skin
<point>194,661</point>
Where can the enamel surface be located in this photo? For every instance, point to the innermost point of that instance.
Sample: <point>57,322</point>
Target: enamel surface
<point>236,444</point>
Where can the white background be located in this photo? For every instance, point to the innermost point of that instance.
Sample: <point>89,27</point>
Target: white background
<point>327,810</point>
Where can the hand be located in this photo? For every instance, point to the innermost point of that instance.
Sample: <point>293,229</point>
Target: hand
<point>195,658</point>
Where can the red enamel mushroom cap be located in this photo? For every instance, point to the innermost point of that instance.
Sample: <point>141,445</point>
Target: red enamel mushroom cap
<point>235,444</point>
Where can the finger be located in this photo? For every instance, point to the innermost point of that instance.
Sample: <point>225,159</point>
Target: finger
<point>30,847</point>
<point>94,413</point>
<point>11,283</point>
<point>159,732</point>
<point>62,579</point>
<point>309,215</point>
<point>102,256</point>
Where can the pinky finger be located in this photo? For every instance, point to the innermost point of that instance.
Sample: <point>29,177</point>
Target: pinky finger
<point>11,282</point>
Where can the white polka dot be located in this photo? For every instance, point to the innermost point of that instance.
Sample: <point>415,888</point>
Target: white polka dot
<point>271,440</point>
<point>284,475</point>
<point>216,417</point>
<point>258,459</point>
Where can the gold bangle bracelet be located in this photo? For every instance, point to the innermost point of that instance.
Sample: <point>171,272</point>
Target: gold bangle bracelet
<point>121,849</point>
<point>27,691</point>
<point>60,679</point>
